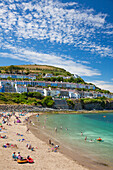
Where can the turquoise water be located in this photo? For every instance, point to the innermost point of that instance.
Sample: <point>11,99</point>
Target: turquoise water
<point>70,126</point>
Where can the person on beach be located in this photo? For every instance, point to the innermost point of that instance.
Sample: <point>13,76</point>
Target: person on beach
<point>29,146</point>
<point>50,141</point>
<point>19,156</point>
<point>14,156</point>
<point>28,157</point>
<point>27,130</point>
<point>55,149</point>
<point>14,121</point>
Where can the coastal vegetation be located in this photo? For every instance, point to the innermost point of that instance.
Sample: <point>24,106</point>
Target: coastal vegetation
<point>30,98</point>
<point>70,103</point>
<point>36,99</point>
<point>97,100</point>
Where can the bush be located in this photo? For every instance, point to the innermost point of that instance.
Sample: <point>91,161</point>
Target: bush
<point>48,101</point>
<point>37,95</point>
<point>70,103</point>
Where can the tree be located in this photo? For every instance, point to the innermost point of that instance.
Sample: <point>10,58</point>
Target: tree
<point>70,103</point>
<point>71,79</point>
<point>48,101</point>
<point>59,79</point>
<point>11,68</point>
<point>37,95</point>
<point>27,71</point>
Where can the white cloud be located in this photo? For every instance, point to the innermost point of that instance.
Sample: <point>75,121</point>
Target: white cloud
<point>109,32</point>
<point>50,59</point>
<point>104,85</point>
<point>53,21</point>
<point>84,62</point>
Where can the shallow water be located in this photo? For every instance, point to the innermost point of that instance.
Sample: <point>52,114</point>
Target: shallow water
<point>70,126</point>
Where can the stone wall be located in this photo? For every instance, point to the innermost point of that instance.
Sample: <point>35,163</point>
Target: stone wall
<point>17,108</point>
<point>59,104</point>
<point>98,106</point>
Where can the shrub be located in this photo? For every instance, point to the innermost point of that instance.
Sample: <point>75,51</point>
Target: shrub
<point>70,103</point>
<point>48,101</point>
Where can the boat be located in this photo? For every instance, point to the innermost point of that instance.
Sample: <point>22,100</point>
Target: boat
<point>30,160</point>
<point>99,139</point>
<point>22,161</point>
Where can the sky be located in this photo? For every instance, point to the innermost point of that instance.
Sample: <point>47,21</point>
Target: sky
<point>76,35</point>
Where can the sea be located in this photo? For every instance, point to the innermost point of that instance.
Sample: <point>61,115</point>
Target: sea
<point>79,133</point>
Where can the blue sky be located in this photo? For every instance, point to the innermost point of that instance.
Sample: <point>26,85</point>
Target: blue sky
<point>74,35</point>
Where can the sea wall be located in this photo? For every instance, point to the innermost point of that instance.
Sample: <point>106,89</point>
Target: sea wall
<point>27,108</point>
<point>98,106</point>
<point>93,106</point>
<point>59,105</point>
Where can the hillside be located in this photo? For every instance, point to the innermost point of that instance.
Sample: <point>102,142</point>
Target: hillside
<point>34,69</point>
<point>58,74</point>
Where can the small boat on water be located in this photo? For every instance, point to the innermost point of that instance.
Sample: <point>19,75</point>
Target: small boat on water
<point>99,139</point>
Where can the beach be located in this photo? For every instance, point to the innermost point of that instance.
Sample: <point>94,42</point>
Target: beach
<point>44,158</point>
<point>39,127</point>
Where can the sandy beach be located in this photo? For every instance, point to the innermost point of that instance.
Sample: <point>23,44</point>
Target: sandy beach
<point>44,158</point>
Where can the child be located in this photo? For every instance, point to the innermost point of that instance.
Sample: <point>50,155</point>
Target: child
<point>14,156</point>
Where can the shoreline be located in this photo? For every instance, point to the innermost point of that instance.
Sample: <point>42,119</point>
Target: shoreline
<point>79,159</point>
<point>36,109</point>
<point>75,112</point>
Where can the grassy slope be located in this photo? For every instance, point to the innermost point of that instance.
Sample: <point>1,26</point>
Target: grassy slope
<point>39,69</point>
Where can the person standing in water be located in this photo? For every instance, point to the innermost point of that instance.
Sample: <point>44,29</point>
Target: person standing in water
<point>85,138</point>
<point>55,129</point>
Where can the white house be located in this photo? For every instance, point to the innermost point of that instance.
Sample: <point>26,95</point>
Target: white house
<point>51,92</point>
<point>72,94</point>
<point>111,95</point>
<point>46,92</point>
<point>77,95</point>
<point>17,76</point>
<point>35,89</point>
<point>88,94</point>
<point>106,95</point>
<point>20,88</point>
<point>48,75</point>
<point>54,92</point>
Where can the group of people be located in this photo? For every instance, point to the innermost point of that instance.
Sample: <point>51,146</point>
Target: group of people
<point>4,136</point>
<point>18,156</point>
<point>99,139</point>
<point>30,147</point>
<point>55,148</point>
